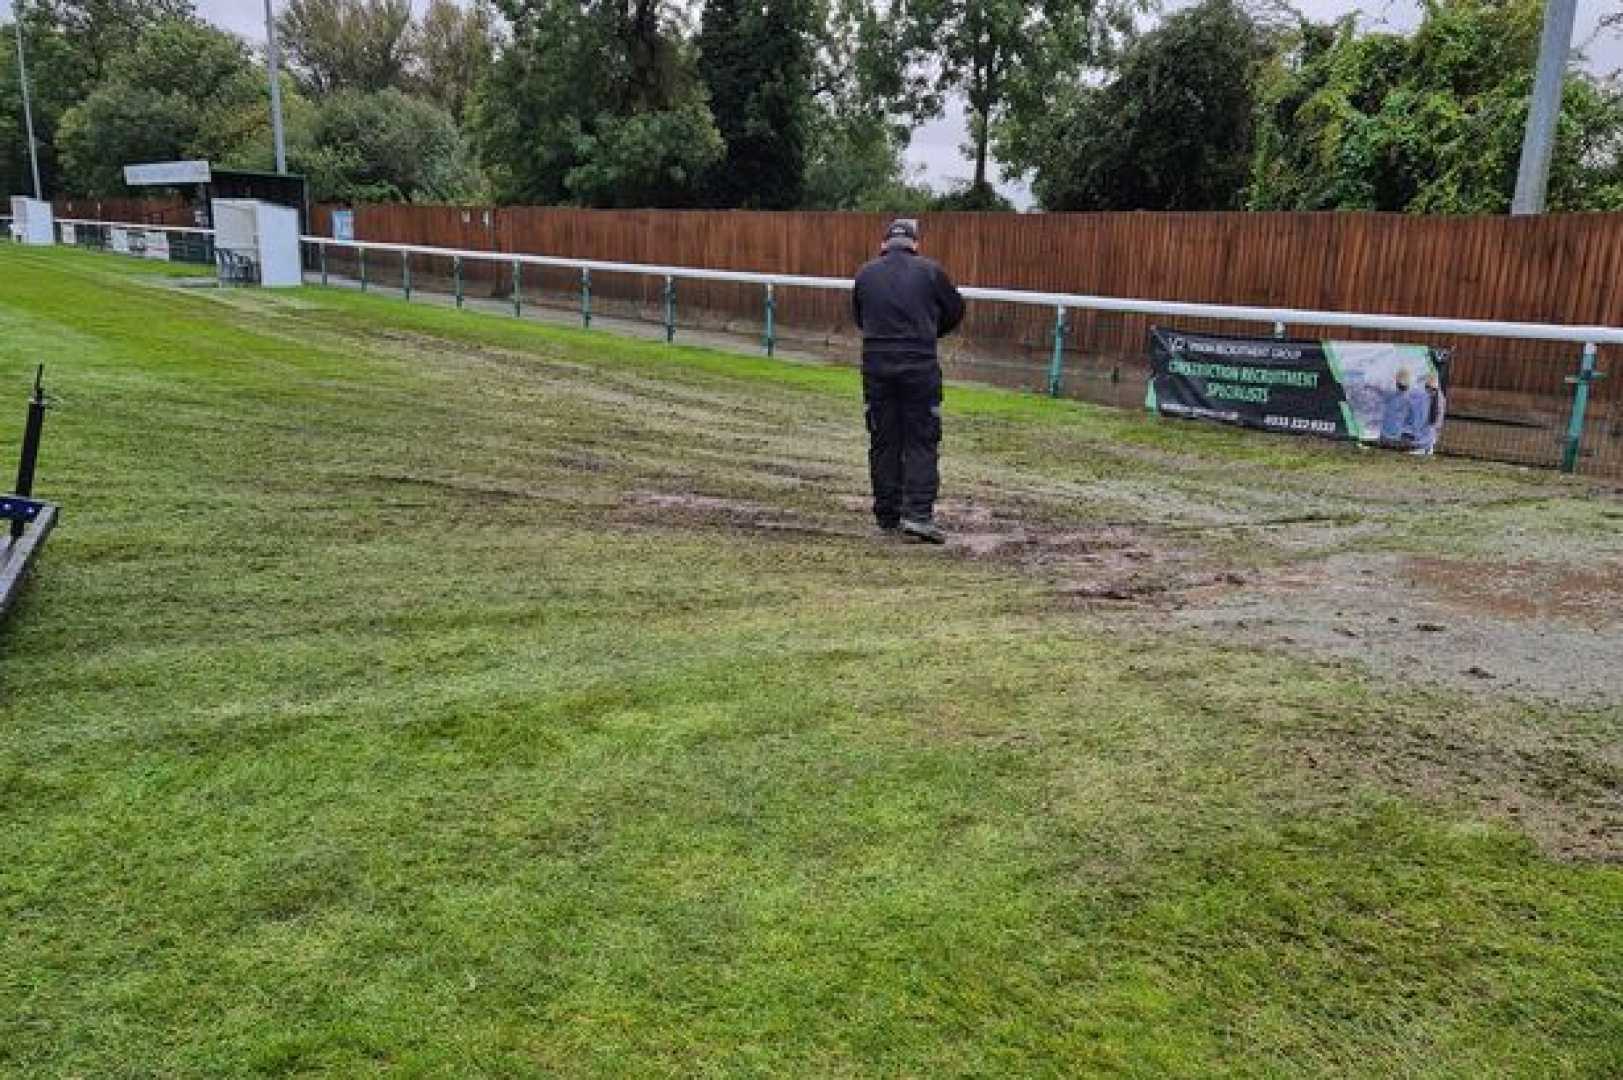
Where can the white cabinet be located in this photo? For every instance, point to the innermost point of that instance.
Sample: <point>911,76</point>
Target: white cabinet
<point>257,242</point>
<point>33,221</point>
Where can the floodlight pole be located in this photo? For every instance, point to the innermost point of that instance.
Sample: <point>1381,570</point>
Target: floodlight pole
<point>1538,146</point>
<point>28,109</point>
<point>275,89</point>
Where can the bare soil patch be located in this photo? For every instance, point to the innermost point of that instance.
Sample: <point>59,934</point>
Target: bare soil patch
<point>1428,621</point>
<point>1529,591</point>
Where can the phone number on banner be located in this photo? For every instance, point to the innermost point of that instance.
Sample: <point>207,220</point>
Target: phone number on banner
<point>1301,423</point>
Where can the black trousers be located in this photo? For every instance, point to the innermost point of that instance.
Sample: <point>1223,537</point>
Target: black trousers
<point>904,437</point>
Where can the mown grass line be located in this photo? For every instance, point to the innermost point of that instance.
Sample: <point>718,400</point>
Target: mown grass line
<point>319,753</point>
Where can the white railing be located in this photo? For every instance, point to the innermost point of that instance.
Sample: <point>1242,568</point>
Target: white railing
<point>1415,324</point>
<point>1590,337</point>
<point>187,229</point>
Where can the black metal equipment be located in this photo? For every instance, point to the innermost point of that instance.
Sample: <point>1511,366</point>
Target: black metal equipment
<point>31,520</point>
<point>30,458</point>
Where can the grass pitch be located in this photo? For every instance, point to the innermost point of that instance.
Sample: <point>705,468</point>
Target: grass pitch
<point>418,693</point>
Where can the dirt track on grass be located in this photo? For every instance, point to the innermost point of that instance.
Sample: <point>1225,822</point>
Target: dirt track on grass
<point>1434,581</point>
<point>1549,629</point>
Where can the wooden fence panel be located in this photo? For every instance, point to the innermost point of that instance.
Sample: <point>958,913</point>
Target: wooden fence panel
<point>144,211</point>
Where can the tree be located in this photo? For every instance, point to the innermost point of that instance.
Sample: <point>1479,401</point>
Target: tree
<point>854,162</point>
<point>1004,57</point>
<point>455,49</point>
<point>99,30</point>
<point>338,45</point>
<point>116,126</point>
<point>387,146</point>
<point>56,81</point>
<point>1174,129</point>
<point>70,43</point>
<point>755,60</point>
<point>594,103</point>
<point>646,159</point>
<point>162,99</point>
<point>1428,123</point>
<point>862,100</point>
<point>971,199</point>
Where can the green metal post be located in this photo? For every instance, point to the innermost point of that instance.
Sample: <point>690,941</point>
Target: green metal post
<point>405,274</point>
<point>456,272</point>
<point>323,249</point>
<point>1056,366</point>
<point>670,309</point>
<point>518,280</point>
<point>363,269</point>
<point>771,320</point>
<point>586,298</point>
<point>1580,405</point>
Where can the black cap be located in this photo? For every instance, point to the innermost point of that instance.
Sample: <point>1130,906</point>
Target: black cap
<point>903,232</point>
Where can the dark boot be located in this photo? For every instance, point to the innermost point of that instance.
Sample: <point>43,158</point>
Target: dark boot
<point>924,531</point>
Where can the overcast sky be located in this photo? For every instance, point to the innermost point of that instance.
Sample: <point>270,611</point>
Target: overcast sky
<point>936,146</point>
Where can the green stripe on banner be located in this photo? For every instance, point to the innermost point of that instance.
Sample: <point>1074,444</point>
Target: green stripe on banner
<point>1149,397</point>
<point>1354,429</point>
<point>1425,360</point>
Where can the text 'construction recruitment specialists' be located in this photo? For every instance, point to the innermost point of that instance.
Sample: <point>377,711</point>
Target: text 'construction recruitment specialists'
<point>1227,382</point>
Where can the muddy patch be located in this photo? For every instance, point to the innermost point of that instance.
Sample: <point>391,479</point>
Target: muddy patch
<point>1528,591</point>
<point>1085,565</point>
<point>1419,624</point>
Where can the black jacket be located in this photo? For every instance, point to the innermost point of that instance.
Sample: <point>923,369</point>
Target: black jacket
<point>903,303</point>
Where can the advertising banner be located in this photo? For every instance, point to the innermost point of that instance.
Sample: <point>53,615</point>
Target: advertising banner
<point>1332,389</point>
<point>157,245</point>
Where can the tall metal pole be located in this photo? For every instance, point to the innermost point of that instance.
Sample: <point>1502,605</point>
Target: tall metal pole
<point>275,89</point>
<point>28,109</point>
<point>1538,146</point>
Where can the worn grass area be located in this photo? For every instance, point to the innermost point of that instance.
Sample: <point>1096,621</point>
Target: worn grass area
<point>422,693</point>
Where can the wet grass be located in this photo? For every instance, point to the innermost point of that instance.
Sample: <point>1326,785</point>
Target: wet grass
<point>381,707</point>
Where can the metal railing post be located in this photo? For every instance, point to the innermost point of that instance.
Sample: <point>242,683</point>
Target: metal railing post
<point>1056,364</point>
<point>518,278</point>
<point>363,269</point>
<point>586,297</point>
<point>771,339</point>
<point>456,272</point>
<point>1580,405</point>
<point>323,249</point>
<point>670,309</point>
<point>405,274</point>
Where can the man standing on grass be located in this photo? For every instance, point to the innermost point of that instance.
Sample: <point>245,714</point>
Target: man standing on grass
<point>903,304</point>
